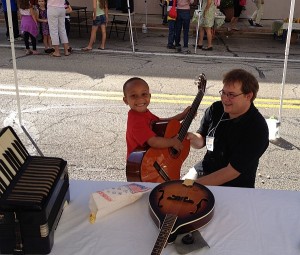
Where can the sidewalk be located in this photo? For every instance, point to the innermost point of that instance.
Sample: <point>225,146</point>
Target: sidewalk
<point>155,40</point>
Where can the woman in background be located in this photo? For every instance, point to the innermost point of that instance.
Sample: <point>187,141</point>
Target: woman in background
<point>206,23</point>
<point>56,19</point>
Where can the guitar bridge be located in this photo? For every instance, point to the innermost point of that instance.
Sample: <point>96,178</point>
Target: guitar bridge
<point>161,171</point>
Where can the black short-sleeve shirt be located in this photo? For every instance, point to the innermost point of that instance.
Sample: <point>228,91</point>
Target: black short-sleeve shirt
<point>240,141</point>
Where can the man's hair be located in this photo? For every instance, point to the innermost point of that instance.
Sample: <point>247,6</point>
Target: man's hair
<point>248,81</point>
<point>130,80</point>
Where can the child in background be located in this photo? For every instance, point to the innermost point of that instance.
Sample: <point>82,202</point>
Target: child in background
<point>172,26</point>
<point>100,19</point>
<point>68,17</point>
<point>42,18</point>
<point>68,20</point>
<point>29,25</point>
<point>140,119</point>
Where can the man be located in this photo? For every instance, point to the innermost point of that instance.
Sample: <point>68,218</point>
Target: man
<point>234,133</point>
<point>183,23</point>
<point>14,16</point>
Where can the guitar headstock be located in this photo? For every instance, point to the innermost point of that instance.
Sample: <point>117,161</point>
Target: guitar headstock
<point>201,82</point>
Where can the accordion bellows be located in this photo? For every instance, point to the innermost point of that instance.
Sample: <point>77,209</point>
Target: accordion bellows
<point>33,192</point>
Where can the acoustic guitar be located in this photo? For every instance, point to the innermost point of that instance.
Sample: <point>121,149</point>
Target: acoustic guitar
<point>147,164</point>
<point>179,207</point>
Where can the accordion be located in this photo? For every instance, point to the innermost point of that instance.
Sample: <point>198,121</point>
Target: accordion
<point>33,193</point>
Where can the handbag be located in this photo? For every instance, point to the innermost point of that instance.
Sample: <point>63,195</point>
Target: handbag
<point>173,11</point>
<point>243,2</point>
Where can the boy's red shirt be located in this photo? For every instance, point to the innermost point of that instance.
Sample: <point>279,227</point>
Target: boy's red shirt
<point>139,129</point>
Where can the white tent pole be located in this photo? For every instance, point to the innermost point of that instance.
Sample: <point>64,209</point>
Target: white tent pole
<point>130,26</point>
<point>13,54</point>
<point>198,24</point>
<point>287,47</point>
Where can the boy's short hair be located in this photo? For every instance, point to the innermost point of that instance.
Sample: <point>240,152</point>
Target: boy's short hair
<point>248,81</point>
<point>130,80</point>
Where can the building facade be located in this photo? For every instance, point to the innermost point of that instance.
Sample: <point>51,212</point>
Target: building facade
<point>273,9</point>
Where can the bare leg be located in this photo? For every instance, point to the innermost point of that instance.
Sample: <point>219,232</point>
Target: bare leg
<point>93,37</point>
<point>201,36</point>
<point>56,50</point>
<point>103,37</point>
<point>66,48</point>
<point>233,22</point>
<point>209,37</point>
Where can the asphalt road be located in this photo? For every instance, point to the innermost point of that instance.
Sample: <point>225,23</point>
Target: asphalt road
<point>73,108</point>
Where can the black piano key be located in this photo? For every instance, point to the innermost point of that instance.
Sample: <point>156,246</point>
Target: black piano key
<point>20,149</point>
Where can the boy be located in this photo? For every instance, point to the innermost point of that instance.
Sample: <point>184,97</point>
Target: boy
<point>140,119</point>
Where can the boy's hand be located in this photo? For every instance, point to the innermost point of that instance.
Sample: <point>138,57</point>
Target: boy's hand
<point>182,115</point>
<point>177,145</point>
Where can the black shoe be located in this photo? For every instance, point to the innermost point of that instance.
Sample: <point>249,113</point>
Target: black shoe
<point>258,25</point>
<point>185,50</point>
<point>178,48</point>
<point>251,22</point>
<point>70,49</point>
<point>48,51</point>
<point>171,47</point>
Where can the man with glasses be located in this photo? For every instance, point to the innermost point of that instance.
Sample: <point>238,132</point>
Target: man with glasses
<point>235,135</point>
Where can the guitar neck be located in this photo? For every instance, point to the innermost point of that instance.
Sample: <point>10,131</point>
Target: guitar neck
<point>190,116</point>
<point>164,234</point>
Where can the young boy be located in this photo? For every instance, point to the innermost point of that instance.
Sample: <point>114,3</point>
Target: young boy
<point>140,119</point>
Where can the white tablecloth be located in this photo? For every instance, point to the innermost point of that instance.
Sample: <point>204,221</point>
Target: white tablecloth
<point>245,222</point>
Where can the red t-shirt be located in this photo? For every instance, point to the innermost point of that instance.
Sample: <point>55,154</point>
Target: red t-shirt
<point>139,129</point>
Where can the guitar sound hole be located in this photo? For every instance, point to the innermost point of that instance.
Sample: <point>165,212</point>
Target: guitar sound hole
<point>175,153</point>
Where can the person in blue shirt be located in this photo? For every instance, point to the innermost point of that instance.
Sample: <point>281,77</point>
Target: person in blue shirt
<point>14,15</point>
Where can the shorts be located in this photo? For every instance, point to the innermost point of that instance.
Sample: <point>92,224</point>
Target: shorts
<point>100,20</point>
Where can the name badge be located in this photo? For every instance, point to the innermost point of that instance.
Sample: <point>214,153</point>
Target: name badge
<point>210,143</point>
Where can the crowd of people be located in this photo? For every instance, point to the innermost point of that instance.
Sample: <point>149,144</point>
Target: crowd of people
<point>51,20</point>
<point>48,18</point>
<point>207,21</point>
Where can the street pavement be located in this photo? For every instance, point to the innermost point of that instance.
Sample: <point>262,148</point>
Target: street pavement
<point>72,106</point>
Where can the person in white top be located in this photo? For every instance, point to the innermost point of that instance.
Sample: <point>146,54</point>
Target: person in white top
<point>56,19</point>
<point>257,14</point>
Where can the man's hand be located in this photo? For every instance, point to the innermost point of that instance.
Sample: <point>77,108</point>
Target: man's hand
<point>197,141</point>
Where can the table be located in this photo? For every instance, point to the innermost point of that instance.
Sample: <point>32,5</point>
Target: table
<point>78,10</point>
<point>245,222</point>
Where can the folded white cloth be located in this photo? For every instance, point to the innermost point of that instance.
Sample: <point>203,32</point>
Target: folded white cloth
<point>109,200</point>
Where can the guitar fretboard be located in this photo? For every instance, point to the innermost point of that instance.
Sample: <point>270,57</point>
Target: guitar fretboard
<point>190,116</point>
<point>164,234</point>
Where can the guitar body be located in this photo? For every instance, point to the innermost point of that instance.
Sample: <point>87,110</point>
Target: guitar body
<point>140,164</point>
<point>149,164</point>
<point>190,205</point>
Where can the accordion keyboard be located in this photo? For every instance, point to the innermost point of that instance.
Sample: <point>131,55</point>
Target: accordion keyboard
<point>25,180</point>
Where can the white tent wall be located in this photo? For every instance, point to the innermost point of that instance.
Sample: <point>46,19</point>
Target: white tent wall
<point>274,9</point>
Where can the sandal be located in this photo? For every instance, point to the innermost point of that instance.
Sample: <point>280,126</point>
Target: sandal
<point>208,48</point>
<point>53,55</point>
<point>86,49</point>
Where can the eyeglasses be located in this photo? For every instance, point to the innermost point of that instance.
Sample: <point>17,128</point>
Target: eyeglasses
<point>229,95</point>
